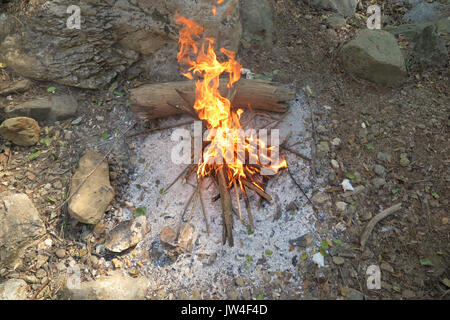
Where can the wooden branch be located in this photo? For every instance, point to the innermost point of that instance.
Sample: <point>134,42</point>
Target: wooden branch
<point>227,208</point>
<point>153,101</point>
<point>383,214</point>
<point>257,190</point>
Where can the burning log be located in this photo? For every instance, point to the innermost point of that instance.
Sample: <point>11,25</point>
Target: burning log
<point>157,100</point>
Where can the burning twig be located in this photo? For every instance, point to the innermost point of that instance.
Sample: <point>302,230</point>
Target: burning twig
<point>260,192</point>
<point>227,213</point>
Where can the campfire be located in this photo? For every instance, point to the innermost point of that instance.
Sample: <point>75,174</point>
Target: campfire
<point>234,157</point>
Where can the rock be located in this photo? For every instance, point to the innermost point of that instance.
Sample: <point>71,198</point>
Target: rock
<point>338,260</point>
<point>321,198</point>
<point>379,170</point>
<point>257,22</point>
<point>334,164</point>
<point>383,156</point>
<point>20,225</point>
<point>336,21</point>
<point>113,36</point>
<point>126,234</point>
<point>345,7</point>
<point>114,287</point>
<point>168,237</point>
<point>341,206</point>
<point>302,241</point>
<point>186,237</point>
<point>323,146</point>
<point>352,294</point>
<point>207,258</point>
<point>430,51</point>
<point>239,282</point>
<point>13,289</point>
<point>386,267</point>
<point>375,56</point>
<point>88,203</point>
<point>336,142</point>
<point>60,253</point>
<point>378,182</point>
<point>21,131</point>
<point>426,12</point>
<point>15,87</point>
<point>53,108</point>
<point>404,162</point>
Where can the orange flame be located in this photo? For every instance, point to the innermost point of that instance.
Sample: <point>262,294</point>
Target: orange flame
<point>197,55</point>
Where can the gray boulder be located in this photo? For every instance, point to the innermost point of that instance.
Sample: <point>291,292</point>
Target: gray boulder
<point>53,108</point>
<point>257,22</point>
<point>20,225</point>
<point>113,36</point>
<point>426,12</point>
<point>345,7</point>
<point>114,287</point>
<point>375,55</point>
<point>430,51</point>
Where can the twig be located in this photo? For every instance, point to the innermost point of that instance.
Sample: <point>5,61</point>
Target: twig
<point>237,198</point>
<point>203,206</point>
<point>176,179</point>
<point>257,190</point>
<point>296,153</point>
<point>227,213</point>
<point>249,210</point>
<point>300,188</point>
<point>383,214</point>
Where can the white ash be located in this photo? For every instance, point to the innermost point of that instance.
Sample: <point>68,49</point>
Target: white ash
<point>188,272</point>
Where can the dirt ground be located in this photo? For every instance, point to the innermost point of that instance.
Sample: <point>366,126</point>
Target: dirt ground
<point>411,246</point>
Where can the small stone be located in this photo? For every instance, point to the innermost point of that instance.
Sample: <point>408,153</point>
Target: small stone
<point>233,294</point>
<point>126,234</point>
<point>353,294</point>
<point>168,236</point>
<point>60,253</point>
<point>239,282</point>
<point>323,146</point>
<point>41,274</point>
<point>117,263</point>
<point>383,156</point>
<point>338,260</point>
<point>379,170</point>
<point>186,237</point>
<point>61,267</point>
<point>21,131</point>
<point>366,215</point>
<point>386,267</point>
<point>335,142</point>
<point>408,294</point>
<point>378,182</point>
<point>404,162</point>
<point>341,206</point>
<point>321,198</point>
<point>334,164</point>
<point>266,278</point>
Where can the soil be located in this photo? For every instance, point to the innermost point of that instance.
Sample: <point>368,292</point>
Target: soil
<point>411,246</point>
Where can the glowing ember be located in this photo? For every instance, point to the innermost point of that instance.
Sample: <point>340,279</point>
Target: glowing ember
<point>228,146</point>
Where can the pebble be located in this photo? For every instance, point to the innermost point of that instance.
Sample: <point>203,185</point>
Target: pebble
<point>323,146</point>
<point>41,274</point>
<point>338,260</point>
<point>321,198</point>
<point>239,281</point>
<point>334,164</point>
<point>404,162</point>
<point>336,142</point>
<point>60,253</point>
<point>379,170</point>
<point>341,206</point>
<point>378,182</point>
<point>384,156</point>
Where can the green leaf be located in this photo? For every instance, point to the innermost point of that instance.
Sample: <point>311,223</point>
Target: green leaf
<point>396,190</point>
<point>263,77</point>
<point>249,230</point>
<point>46,141</point>
<point>246,266</point>
<point>426,262</point>
<point>350,175</point>
<point>105,135</point>
<point>441,253</point>
<point>34,155</point>
<point>260,297</point>
<point>367,123</point>
<point>435,195</point>
<point>303,257</point>
<point>51,89</point>
<point>396,288</point>
<point>339,242</point>
<point>369,146</point>
<point>50,199</point>
<point>128,103</point>
<point>323,252</point>
<point>324,245</point>
<point>352,202</point>
<point>276,71</point>
<point>140,211</point>
<point>268,252</point>
<point>248,258</point>
<point>118,93</point>
<point>162,191</point>
<point>100,102</point>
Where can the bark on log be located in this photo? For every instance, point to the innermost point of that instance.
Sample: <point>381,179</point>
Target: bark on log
<point>153,101</point>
